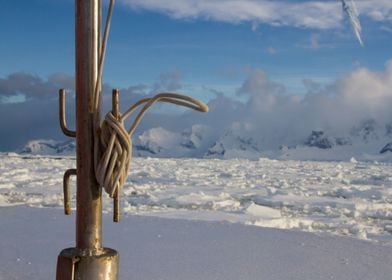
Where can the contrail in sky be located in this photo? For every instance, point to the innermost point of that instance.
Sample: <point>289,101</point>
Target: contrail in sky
<point>352,14</point>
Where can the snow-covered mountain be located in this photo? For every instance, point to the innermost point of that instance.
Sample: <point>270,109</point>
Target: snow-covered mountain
<point>241,140</point>
<point>49,147</point>
<point>365,140</point>
<point>159,142</point>
<point>368,132</point>
<point>319,140</point>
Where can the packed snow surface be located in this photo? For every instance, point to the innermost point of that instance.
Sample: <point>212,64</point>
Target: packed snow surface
<point>341,198</point>
<point>166,249</point>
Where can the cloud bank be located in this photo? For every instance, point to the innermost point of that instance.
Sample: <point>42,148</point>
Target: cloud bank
<point>304,13</point>
<point>283,118</point>
<point>270,113</point>
<point>29,105</point>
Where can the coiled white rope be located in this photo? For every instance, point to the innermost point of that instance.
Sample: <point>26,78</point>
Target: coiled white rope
<point>116,144</point>
<point>113,144</point>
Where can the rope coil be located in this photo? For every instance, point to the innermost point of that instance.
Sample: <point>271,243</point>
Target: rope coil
<point>113,153</point>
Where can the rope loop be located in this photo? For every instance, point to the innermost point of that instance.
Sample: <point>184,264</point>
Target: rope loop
<point>113,152</point>
<point>116,152</point>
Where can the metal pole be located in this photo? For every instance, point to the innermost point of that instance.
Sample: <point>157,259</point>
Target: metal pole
<point>89,260</point>
<point>89,200</point>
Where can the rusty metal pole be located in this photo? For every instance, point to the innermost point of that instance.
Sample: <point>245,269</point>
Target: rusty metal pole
<point>89,199</point>
<point>89,260</point>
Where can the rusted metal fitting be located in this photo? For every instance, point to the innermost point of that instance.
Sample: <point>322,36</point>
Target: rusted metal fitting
<point>74,265</point>
<point>67,192</point>
<point>63,122</point>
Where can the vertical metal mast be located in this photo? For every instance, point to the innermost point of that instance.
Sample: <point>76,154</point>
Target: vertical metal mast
<point>89,260</point>
<point>89,200</point>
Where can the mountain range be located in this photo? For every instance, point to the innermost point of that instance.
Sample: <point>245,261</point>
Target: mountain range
<point>368,140</point>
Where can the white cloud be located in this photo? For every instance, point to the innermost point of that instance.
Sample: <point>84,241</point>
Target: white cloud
<point>380,10</point>
<point>278,117</point>
<point>268,108</point>
<point>32,103</point>
<point>305,14</point>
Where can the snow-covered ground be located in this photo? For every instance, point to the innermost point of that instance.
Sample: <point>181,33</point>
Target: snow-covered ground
<point>210,209</point>
<point>166,249</point>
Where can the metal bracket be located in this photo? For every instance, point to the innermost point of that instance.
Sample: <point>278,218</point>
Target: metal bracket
<point>116,199</point>
<point>67,193</point>
<point>63,123</point>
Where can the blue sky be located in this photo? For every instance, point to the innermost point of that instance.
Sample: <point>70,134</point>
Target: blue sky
<point>204,46</point>
<point>146,42</point>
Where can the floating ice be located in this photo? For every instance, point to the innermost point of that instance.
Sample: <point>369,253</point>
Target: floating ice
<point>350,198</point>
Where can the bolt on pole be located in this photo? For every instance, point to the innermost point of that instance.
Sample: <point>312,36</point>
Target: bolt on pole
<point>88,260</point>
